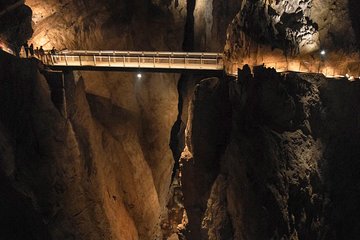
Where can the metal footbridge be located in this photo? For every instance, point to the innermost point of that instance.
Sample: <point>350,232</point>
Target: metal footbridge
<point>132,61</point>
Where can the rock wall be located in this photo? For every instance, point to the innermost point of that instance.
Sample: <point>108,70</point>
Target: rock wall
<point>46,164</point>
<point>212,18</point>
<point>15,24</point>
<point>280,171</point>
<point>295,31</point>
<point>200,159</point>
<point>331,115</point>
<point>148,104</point>
<point>86,176</point>
<point>108,24</point>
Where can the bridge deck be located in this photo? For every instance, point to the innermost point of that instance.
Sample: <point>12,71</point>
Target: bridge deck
<point>135,61</point>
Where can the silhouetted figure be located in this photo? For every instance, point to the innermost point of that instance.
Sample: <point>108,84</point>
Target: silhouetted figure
<point>37,52</point>
<point>26,48</point>
<point>51,55</point>
<point>53,51</point>
<point>41,52</point>
<point>31,50</point>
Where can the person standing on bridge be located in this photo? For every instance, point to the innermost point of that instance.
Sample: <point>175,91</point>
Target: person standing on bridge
<point>41,53</point>
<point>37,51</point>
<point>51,55</point>
<point>26,48</point>
<point>53,51</point>
<point>31,50</point>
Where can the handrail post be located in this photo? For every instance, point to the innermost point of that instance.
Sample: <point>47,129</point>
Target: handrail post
<point>169,62</point>
<point>80,60</point>
<point>185,62</point>
<point>124,60</point>
<point>139,61</point>
<point>154,61</point>
<point>109,61</point>
<point>94,60</point>
<point>52,59</point>
<point>66,62</point>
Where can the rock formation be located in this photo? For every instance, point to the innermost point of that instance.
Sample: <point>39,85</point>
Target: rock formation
<point>15,24</point>
<point>295,32</point>
<point>284,161</point>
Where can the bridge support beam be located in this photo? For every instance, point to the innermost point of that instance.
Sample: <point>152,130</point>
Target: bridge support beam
<point>64,95</point>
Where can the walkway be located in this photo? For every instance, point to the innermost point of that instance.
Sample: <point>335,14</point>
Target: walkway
<point>348,69</point>
<point>135,61</point>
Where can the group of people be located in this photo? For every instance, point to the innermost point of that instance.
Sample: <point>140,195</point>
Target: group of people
<point>38,52</point>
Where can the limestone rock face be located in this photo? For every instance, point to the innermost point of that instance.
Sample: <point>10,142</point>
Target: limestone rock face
<point>108,24</point>
<point>211,19</point>
<point>282,172</point>
<point>87,176</point>
<point>121,125</point>
<point>57,175</point>
<point>283,24</point>
<point>283,31</point>
<point>138,112</point>
<point>200,167</point>
<point>15,24</point>
<point>274,158</point>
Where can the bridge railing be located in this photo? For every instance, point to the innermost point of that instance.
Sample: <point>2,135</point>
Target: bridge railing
<point>175,60</point>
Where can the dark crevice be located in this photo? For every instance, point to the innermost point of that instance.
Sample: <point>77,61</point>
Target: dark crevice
<point>177,131</point>
<point>177,138</point>
<point>189,34</point>
<point>354,7</point>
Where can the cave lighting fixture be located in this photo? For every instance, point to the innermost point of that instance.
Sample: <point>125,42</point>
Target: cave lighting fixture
<point>139,75</point>
<point>323,52</point>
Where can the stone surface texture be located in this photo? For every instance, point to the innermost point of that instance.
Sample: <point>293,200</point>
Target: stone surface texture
<point>15,26</point>
<point>279,172</point>
<point>296,31</point>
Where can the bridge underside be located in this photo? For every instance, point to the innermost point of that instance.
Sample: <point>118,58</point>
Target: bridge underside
<point>213,72</point>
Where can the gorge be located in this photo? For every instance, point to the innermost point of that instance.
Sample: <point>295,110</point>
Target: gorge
<point>254,153</point>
